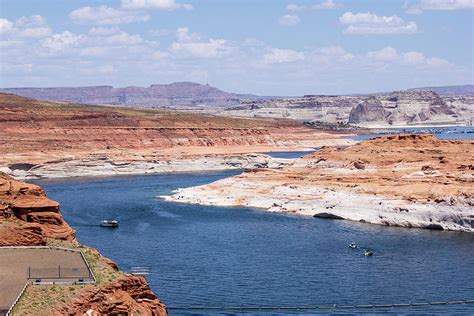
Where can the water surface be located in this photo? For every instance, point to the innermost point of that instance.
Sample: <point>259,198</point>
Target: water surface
<point>457,132</point>
<point>217,256</point>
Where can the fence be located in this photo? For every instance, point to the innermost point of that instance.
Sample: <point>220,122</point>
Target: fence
<point>59,273</point>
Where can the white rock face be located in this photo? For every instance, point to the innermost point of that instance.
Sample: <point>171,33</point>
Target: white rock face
<point>401,108</point>
<point>107,167</point>
<point>320,202</point>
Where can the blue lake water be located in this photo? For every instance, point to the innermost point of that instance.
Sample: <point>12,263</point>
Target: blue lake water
<point>215,256</point>
<point>289,154</point>
<point>458,132</point>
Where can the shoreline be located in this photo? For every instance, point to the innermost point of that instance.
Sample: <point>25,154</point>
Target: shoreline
<point>105,167</point>
<point>426,185</point>
<point>339,205</point>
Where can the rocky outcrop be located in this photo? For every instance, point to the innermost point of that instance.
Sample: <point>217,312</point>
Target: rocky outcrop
<point>401,108</point>
<point>28,211</point>
<point>371,110</point>
<point>129,295</point>
<point>105,166</point>
<point>29,218</point>
<point>401,180</point>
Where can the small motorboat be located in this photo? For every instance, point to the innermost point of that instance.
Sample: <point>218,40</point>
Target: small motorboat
<point>353,245</point>
<point>109,223</point>
<point>368,253</point>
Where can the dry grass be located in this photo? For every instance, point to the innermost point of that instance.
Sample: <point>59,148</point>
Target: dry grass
<point>41,299</point>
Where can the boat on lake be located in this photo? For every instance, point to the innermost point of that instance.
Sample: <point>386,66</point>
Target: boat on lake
<point>109,223</point>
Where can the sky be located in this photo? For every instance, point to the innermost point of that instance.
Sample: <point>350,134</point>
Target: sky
<point>264,47</point>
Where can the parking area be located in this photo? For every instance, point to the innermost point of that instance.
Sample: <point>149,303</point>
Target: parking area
<point>21,265</point>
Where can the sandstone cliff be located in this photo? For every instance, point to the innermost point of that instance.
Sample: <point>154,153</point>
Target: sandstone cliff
<point>404,180</point>
<point>29,218</point>
<point>38,134</point>
<point>401,108</point>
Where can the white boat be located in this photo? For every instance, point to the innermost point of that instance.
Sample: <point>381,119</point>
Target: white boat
<point>109,223</point>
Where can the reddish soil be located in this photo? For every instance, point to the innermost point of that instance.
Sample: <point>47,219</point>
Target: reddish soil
<point>38,131</point>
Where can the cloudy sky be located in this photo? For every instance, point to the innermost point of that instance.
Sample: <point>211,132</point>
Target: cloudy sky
<point>266,47</point>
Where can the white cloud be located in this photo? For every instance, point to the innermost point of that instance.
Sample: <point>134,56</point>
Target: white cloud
<point>60,41</point>
<point>5,26</point>
<point>160,55</point>
<point>190,45</point>
<point>328,5</point>
<point>288,20</point>
<point>160,32</point>
<point>369,23</point>
<point>108,54</point>
<point>103,31</point>
<point>277,56</point>
<point>449,5</point>
<point>325,5</point>
<point>210,49</point>
<point>123,38</point>
<point>331,53</point>
<point>414,58</point>
<point>104,15</point>
<point>155,4</point>
<point>385,54</point>
<point>390,55</point>
<point>183,35</point>
<point>33,26</point>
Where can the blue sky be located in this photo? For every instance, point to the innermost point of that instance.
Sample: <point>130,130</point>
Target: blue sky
<point>266,47</point>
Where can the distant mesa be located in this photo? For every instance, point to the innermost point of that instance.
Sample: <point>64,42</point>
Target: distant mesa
<point>157,95</point>
<point>414,107</point>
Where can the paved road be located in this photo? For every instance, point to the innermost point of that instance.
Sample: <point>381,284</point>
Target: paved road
<point>14,265</point>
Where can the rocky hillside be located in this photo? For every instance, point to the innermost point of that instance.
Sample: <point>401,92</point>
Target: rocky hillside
<point>400,180</point>
<point>39,133</point>
<point>166,95</point>
<point>419,106</point>
<point>401,108</point>
<point>29,218</point>
<point>467,90</point>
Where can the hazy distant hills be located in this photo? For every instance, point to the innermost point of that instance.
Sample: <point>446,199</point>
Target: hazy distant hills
<point>450,90</point>
<point>417,106</point>
<point>166,95</point>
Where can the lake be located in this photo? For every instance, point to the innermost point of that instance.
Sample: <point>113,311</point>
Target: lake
<point>455,132</point>
<point>217,256</point>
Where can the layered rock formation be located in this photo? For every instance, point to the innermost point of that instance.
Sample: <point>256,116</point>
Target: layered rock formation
<point>166,95</point>
<point>405,180</point>
<point>29,218</point>
<point>371,110</point>
<point>420,106</point>
<point>40,138</point>
<point>126,296</point>
<point>401,108</point>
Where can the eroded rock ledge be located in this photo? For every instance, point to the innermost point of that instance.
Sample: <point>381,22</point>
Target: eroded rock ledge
<point>29,218</point>
<point>403,180</point>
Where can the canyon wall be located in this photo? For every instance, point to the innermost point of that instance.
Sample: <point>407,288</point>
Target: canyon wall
<point>401,108</point>
<point>419,106</point>
<point>58,137</point>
